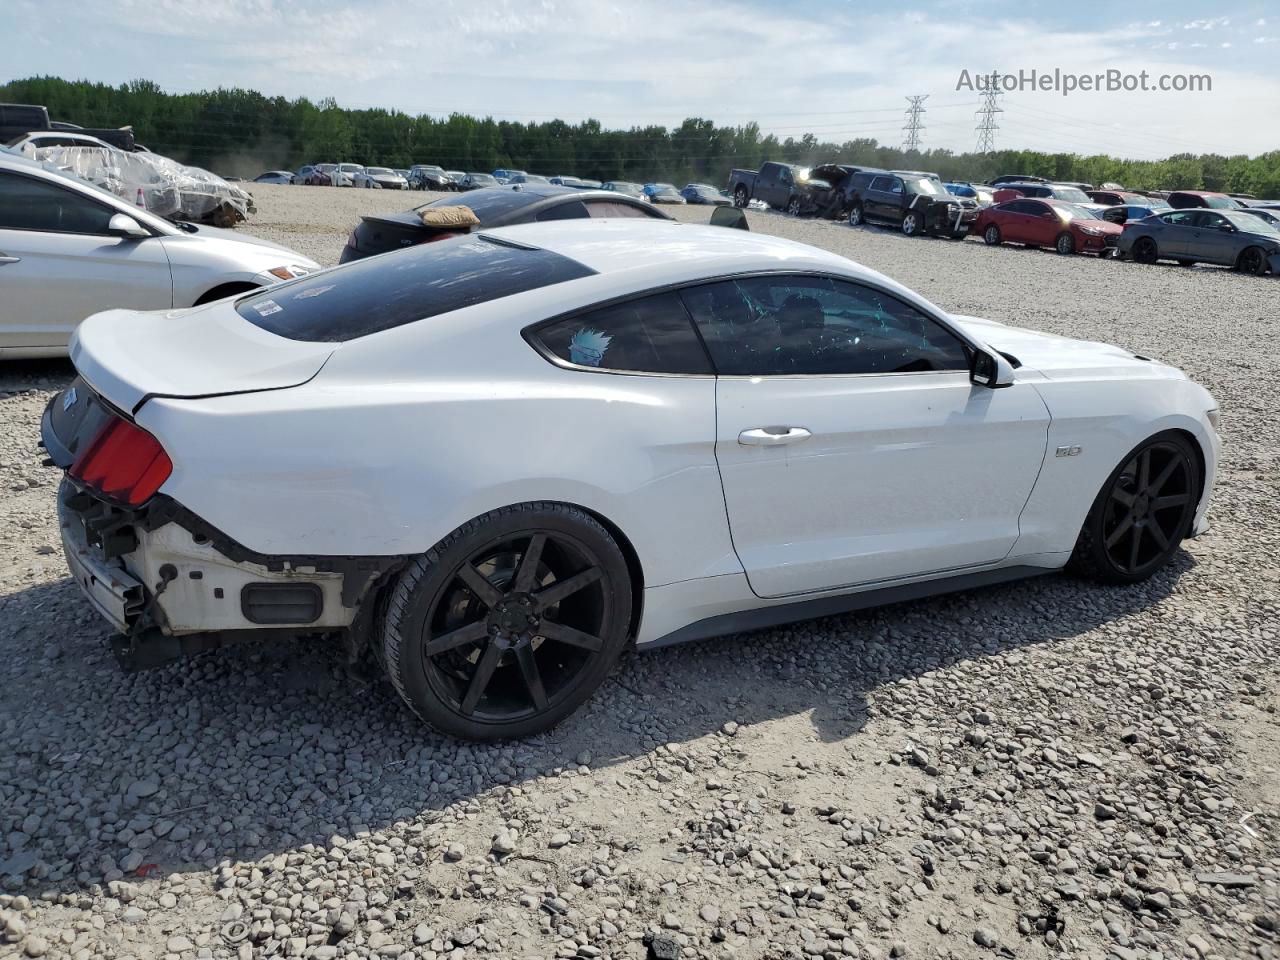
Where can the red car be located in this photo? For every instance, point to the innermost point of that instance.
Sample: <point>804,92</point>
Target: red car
<point>1067,227</point>
<point>1118,198</point>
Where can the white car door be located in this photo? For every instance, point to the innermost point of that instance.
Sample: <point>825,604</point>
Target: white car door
<point>59,263</point>
<point>852,447</point>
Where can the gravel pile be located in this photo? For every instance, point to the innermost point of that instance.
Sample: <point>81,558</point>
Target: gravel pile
<point>1037,770</point>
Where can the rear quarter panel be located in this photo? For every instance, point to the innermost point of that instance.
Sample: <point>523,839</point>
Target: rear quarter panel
<point>350,464</point>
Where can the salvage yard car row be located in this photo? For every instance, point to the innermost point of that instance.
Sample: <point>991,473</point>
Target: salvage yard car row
<point>1187,226</point>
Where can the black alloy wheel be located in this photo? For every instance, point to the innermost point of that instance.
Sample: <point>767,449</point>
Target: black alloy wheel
<point>1142,514</point>
<point>1144,250</point>
<point>1252,260</point>
<point>514,624</point>
<point>740,197</point>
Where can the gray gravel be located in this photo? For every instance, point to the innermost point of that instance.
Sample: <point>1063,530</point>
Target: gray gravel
<point>1036,770</point>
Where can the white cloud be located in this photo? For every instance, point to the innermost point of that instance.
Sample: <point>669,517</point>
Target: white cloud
<point>838,74</point>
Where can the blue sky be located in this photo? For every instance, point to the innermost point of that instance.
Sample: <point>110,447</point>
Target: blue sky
<point>839,70</point>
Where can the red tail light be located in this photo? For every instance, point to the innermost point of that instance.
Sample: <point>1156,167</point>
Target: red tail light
<point>124,462</point>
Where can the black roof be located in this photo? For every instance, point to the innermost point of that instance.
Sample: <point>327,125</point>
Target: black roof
<point>500,206</point>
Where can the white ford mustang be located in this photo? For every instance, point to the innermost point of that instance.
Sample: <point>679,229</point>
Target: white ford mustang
<point>498,459</point>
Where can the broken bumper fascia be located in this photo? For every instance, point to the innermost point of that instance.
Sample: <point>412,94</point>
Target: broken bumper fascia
<point>158,571</point>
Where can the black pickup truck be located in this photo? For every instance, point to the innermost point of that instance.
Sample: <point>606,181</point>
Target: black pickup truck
<point>917,204</point>
<point>783,186</point>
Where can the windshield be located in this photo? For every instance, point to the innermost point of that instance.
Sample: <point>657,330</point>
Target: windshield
<point>1071,195</point>
<point>1072,211</point>
<point>927,186</point>
<point>350,167</point>
<point>1251,224</point>
<point>379,170</point>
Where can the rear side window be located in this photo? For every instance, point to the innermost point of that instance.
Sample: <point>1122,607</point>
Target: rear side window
<point>611,208</point>
<point>427,280</point>
<point>648,335</point>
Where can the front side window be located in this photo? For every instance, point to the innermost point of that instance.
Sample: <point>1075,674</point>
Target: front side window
<point>647,335</point>
<point>30,204</point>
<point>881,184</point>
<point>1180,218</point>
<point>803,325</point>
<point>1212,221</point>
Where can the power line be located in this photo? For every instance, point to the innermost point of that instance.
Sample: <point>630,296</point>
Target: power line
<point>986,115</point>
<point>915,125</point>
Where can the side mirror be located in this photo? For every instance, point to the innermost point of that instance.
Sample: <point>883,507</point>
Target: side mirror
<point>734,217</point>
<point>1228,228</point>
<point>990,369</point>
<point>123,225</point>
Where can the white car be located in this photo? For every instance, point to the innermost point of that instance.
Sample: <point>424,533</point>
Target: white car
<point>345,174</point>
<point>69,249</point>
<point>383,178</point>
<point>500,458</point>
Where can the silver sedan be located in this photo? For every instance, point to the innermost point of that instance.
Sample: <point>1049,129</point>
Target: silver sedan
<point>1226,237</point>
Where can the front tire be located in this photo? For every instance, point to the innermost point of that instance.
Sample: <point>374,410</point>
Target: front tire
<point>1251,260</point>
<point>740,197</point>
<point>793,207</point>
<point>1141,514</point>
<point>1144,250</point>
<point>913,223</point>
<point>1065,244</point>
<point>510,623</point>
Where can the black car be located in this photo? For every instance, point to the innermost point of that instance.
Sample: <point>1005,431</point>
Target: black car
<point>916,204</point>
<point>428,177</point>
<point>493,207</point>
<point>704,193</point>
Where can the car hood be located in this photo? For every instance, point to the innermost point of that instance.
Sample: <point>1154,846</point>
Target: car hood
<point>220,236</point>
<point>129,356</point>
<point>1062,357</point>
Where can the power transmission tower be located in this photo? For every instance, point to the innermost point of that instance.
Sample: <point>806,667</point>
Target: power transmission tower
<point>914,125</point>
<point>986,115</point>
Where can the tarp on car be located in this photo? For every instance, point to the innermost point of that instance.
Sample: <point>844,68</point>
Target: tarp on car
<point>160,185</point>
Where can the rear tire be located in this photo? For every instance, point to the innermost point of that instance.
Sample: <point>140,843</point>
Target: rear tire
<point>991,235</point>
<point>510,623</point>
<point>1142,513</point>
<point>740,197</point>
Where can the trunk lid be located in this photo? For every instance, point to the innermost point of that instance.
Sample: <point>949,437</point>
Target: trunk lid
<point>128,356</point>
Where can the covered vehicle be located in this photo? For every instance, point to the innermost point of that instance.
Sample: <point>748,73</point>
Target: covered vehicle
<point>1066,227</point>
<point>1228,237</point>
<point>705,195</point>
<point>380,178</point>
<point>503,459</point>
<point>492,207</point>
<point>69,249</point>
<point>162,186</point>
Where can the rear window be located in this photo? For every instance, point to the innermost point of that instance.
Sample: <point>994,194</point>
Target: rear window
<point>491,204</point>
<point>379,293</point>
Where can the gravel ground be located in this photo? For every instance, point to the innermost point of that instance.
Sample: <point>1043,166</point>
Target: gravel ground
<point>1037,770</point>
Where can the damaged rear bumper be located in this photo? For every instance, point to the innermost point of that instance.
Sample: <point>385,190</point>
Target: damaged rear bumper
<point>170,585</point>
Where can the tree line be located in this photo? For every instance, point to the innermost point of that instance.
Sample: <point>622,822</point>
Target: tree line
<point>238,132</point>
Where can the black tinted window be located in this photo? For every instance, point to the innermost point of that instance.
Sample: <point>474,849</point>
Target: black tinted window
<point>489,204</point>
<point>379,293</point>
<point>761,326</point>
<point>30,204</point>
<point>614,208</point>
<point>648,335</point>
